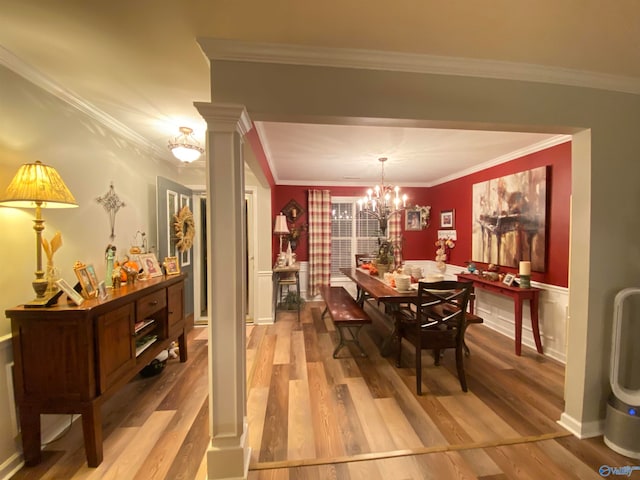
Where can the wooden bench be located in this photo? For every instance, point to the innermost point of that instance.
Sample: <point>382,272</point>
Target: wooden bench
<point>347,316</point>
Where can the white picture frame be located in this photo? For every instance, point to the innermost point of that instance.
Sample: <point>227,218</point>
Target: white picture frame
<point>69,290</point>
<point>508,279</point>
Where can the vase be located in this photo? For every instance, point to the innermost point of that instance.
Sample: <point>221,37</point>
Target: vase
<point>52,275</point>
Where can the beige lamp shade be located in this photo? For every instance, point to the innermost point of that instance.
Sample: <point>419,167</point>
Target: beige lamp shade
<point>37,183</point>
<point>281,225</point>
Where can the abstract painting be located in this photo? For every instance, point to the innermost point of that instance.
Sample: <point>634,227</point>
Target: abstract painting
<point>509,219</point>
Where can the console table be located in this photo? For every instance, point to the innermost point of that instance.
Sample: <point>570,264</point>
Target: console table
<point>518,295</point>
<point>69,359</point>
<point>285,275</point>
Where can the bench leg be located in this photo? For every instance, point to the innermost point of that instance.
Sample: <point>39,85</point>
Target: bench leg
<point>354,331</point>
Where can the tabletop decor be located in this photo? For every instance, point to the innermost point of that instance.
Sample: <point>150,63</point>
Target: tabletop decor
<point>443,246</point>
<point>38,186</point>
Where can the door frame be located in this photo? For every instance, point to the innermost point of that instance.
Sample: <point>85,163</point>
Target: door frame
<point>250,196</point>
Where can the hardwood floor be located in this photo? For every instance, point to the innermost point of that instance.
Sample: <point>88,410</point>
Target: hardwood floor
<point>315,417</point>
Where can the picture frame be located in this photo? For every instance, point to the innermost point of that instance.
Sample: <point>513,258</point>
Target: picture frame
<point>88,287</point>
<point>92,275</point>
<point>70,291</point>
<point>413,220</point>
<point>508,279</point>
<point>171,265</point>
<point>150,265</point>
<point>447,218</point>
<point>102,290</point>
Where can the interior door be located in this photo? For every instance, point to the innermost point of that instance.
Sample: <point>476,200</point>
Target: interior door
<point>171,198</point>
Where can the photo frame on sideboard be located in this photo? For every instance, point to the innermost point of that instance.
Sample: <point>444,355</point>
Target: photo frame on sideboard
<point>88,287</point>
<point>70,291</point>
<point>150,265</point>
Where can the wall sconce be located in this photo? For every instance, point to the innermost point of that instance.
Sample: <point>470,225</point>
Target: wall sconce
<point>185,147</point>
<point>38,186</point>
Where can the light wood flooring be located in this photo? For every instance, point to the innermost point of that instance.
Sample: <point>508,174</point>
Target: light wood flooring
<point>315,417</point>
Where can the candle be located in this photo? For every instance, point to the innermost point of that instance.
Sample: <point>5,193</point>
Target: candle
<point>525,268</point>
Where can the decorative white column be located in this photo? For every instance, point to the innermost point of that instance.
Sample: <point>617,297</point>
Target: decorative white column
<point>228,453</point>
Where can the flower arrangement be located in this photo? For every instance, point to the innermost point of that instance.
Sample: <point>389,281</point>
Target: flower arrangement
<point>385,254</point>
<point>443,245</point>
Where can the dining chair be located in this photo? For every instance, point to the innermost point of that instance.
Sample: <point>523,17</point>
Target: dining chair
<point>436,323</point>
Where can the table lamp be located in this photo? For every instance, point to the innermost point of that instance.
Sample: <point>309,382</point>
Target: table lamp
<point>38,186</point>
<point>281,228</point>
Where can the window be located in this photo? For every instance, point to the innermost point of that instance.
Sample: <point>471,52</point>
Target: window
<point>351,233</point>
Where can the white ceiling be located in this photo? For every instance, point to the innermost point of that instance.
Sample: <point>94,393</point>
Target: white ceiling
<point>138,65</point>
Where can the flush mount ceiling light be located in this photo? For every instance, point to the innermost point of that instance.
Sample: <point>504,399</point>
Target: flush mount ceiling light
<point>185,147</point>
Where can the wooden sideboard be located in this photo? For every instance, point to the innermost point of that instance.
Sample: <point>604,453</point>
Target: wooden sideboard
<point>69,359</point>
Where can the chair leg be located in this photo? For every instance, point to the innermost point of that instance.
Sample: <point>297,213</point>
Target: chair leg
<point>436,357</point>
<point>460,368</point>
<point>418,370</point>
<point>399,355</point>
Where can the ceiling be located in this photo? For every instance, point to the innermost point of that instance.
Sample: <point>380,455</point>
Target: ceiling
<point>138,66</point>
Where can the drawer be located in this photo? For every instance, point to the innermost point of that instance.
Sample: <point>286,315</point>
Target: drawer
<point>150,304</point>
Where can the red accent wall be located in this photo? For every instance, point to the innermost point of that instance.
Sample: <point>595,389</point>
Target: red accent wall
<point>456,195</point>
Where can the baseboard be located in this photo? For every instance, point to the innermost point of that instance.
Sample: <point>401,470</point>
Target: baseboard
<point>10,466</point>
<point>579,429</point>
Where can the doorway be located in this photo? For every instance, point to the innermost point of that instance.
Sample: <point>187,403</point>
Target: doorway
<point>200,254</point>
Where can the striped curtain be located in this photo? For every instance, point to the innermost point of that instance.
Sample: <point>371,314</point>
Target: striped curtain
<point>394,235</point>
<point>319,240</point>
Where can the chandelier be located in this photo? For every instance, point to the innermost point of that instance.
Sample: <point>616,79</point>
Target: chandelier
<point>382,201</point>
<point>185,147</point>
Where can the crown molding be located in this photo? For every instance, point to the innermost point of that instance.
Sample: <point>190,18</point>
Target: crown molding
<point>536,147</point>
<point>224,49</point>
<point>31,74</point>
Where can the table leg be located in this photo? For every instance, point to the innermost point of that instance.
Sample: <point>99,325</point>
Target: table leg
<point>30,428</point>
<point>518,319</point>
<point>182,347</point>
<point>387,343</point>
<point>92,432</point>
<point>533,304</point>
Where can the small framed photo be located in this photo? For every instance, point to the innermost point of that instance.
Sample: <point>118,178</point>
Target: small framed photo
<point>92,275</point>
<point>150,265</point>
<point>446,218</point>
<point>171,265</point>
<point>102,290</point>
<point>71,293</point>
<point>508,279</point>
<point>413,220</point>
<point>88,287</point>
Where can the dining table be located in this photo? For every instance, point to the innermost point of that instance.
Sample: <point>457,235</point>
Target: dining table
<point>373,286</point>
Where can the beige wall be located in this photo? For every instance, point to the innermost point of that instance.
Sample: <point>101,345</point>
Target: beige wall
<point>38,126</point>
<point>605,252</point>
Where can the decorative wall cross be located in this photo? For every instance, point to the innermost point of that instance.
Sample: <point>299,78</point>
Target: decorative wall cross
<point>111,204</point>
